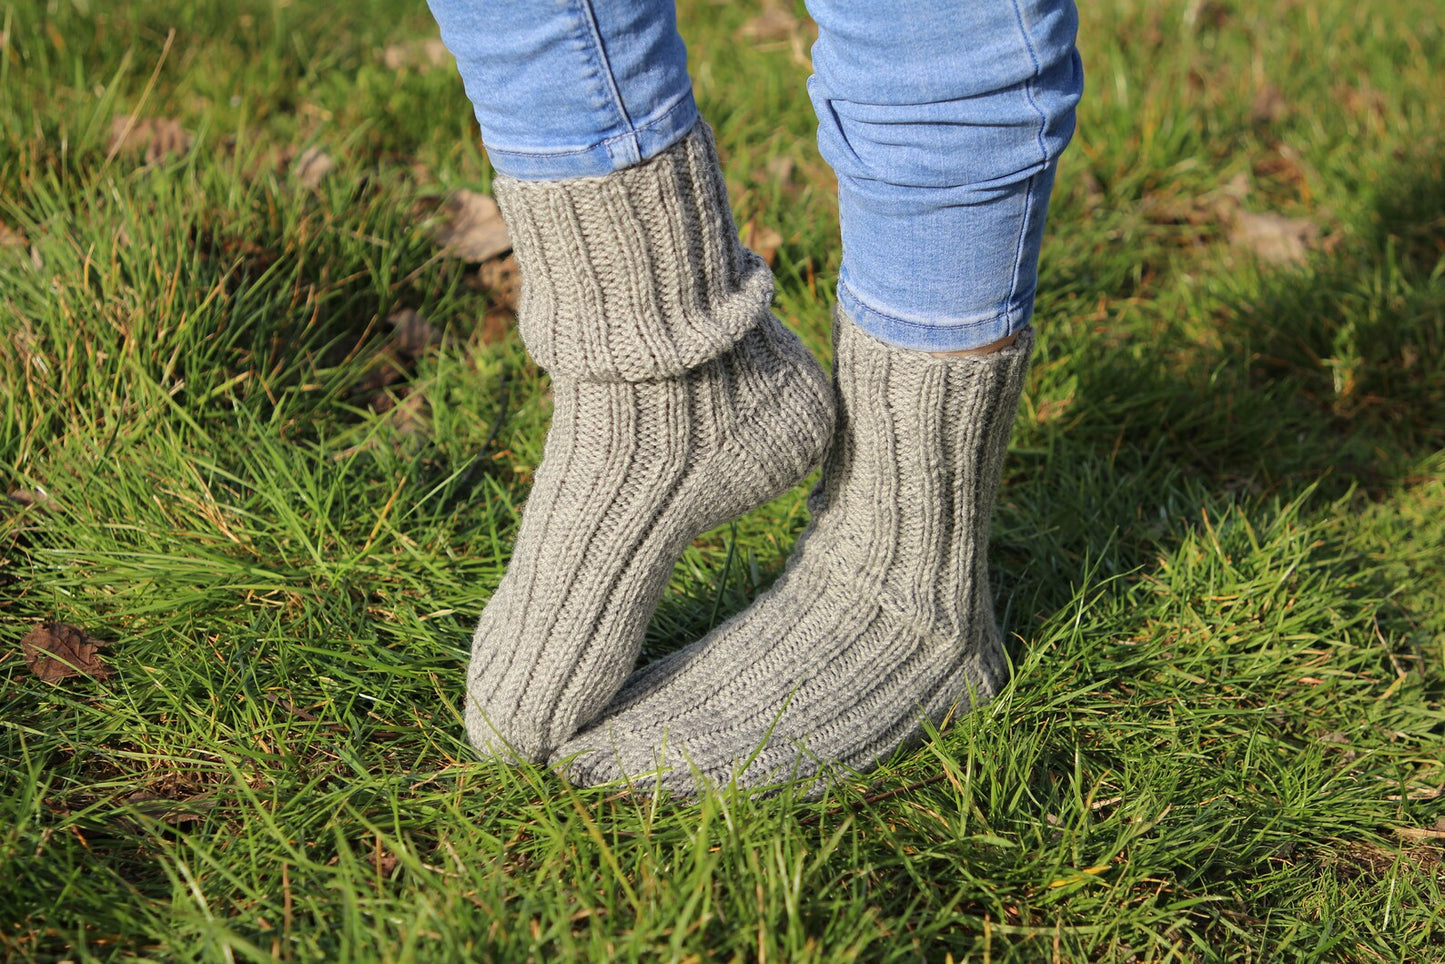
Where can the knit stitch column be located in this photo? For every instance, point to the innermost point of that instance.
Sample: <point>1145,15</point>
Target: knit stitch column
<point>883,617</point>
<point>679,403</point>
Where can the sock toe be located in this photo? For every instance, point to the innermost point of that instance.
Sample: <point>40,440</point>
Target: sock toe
<point>883,617</point>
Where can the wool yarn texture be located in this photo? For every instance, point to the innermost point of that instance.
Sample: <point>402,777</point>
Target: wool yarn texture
<point>883,617</point>
<point>679,403</point>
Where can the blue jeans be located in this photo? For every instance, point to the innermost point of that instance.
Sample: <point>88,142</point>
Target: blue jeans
<point>943,121</point>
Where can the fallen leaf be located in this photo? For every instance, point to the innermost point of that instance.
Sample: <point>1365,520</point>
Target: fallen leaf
<point>762,239</point>
<point>156,138</point>
<point>781,168</point>
<point>424,54</point>
<point>169,810</point>
<point>1283,165</point>
<point>312,167</point>
<point>408,410</point>
<point>772,24</point>
<point>1207,15</point>
<point>502,281</point>
<point>37,497</point>
<point>414,334</point>
<point>382,857</point>
<point>471,228</point>
<point>1269,106</point>
<point>57,651</point>
<point>1364,100</point>
<point>1273,237</point>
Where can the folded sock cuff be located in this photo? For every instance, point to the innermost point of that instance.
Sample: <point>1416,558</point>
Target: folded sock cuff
<point>636,275</point>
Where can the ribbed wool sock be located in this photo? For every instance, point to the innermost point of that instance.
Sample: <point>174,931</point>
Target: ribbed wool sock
<point>883,615</point>
<point>679,403</point>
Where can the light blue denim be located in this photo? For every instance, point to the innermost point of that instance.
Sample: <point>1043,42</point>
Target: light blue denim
<point>944,122</point>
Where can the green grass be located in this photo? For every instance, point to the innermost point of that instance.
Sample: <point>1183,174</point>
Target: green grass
<point>1220,546</point>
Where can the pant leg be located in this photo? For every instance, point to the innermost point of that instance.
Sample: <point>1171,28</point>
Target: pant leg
<point>944,122</point>
<point>570,88</point>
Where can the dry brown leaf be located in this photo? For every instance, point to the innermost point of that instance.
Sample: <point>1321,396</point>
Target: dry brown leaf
<point>57,651</point>
<point>496,326</point>
<point>10,238</point>
<point>37,497</point>
<point>762,239</point>
<point>772,24</point>
<point>407,411</point>
<point>1363,100</point>
<point>424,54</point>
<point>409,415</point>
<point>414,334</point>
<point>1284,165</point>
<point>312,167</point>
<point>781,169</point>
<point>1273,237</point>
<point>382,857</point>
<point>502,282</point>
<point>173,811</point>
<point>156,138</point>
<point>1269,107</point>
<point>471,228</point>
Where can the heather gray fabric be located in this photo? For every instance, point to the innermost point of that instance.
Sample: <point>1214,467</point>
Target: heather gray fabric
<point>883,615</point>
<point>637,275</point>
<point>679,403</point>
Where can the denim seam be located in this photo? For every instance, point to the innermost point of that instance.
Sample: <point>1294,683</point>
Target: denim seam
<point>1043,153</point>
<point>1029,83</point>
<point>1019,245</point>
<point>598,53</point>
<point>633,132</point>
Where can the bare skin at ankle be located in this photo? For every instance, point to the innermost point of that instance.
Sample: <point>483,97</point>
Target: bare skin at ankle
<point>999,345</point>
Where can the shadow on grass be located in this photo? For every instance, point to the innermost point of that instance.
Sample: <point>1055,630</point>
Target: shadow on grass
<point>1316,382</point>
<point>1319,381</point>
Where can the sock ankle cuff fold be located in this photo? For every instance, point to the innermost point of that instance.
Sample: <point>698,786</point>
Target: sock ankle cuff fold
<point>636,275</point>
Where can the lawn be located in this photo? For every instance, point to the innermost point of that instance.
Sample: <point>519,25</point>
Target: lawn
<point>266,437</point>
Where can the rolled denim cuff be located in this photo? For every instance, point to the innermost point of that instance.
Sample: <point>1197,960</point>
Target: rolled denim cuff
<point>631,147</point>
<point>936,335</point>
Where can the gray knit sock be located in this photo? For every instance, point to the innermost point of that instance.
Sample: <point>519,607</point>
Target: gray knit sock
<point>883,615</point>
<point>679,403</point>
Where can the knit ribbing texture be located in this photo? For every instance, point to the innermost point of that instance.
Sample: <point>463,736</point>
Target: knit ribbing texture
<point>637,275</point>
<point>680,402</point>
<point>883,616</point>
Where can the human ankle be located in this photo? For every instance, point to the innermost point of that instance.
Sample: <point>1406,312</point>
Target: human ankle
<point>989,349</point>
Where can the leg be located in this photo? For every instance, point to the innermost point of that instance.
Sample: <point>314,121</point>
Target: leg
<point>571,89</point>
<point>884,614</point>
<point>944,128</point>
<point>680,402</point>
